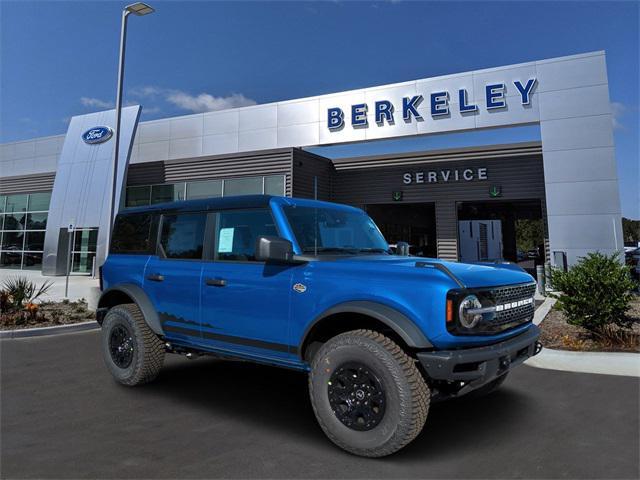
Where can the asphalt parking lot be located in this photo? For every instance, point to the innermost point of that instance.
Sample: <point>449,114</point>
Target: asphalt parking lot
<point>64,417</point>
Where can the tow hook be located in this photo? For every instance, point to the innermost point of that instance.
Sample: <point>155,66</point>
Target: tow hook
<point>537,349</point>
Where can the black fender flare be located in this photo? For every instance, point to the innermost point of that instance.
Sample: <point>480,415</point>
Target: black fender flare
<point>140,298</point>
<point>392,318</point>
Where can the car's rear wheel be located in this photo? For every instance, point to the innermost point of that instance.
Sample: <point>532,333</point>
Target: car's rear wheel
<point>367,394</point>
<point>131,350</point>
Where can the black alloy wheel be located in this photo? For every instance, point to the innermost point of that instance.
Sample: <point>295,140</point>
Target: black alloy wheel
<point>121,346</point>
<point>356,396</point>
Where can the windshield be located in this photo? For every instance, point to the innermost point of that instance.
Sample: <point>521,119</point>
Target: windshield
<point>333,230</point>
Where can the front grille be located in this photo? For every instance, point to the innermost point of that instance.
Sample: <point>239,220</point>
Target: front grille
<point>514,307</point>
<point>510,317</point>
<point>509,294</point>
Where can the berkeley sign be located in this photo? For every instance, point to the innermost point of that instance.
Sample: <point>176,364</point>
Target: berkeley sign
<point>384,110</point>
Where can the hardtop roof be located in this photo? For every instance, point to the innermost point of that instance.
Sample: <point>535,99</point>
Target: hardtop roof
<point>232,202</point>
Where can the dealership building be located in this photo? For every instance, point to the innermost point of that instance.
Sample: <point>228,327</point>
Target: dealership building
<point>551,200</point>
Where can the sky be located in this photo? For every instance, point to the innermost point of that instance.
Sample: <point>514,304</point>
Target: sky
<point>59,59</point>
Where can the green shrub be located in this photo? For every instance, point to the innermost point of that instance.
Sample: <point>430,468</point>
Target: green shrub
<point>595,292</point>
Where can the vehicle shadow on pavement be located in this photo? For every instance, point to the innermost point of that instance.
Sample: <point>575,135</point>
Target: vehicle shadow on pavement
<point>253,394</point>
<point>277,399</point>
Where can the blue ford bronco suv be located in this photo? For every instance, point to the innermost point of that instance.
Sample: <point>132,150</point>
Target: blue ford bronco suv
<point>311,286</point>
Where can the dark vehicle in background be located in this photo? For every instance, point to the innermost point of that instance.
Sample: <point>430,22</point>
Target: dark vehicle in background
<point>632,259</point>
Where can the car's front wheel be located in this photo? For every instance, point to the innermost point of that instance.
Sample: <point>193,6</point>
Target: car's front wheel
<point>367,394</point>
<point>132,351</point>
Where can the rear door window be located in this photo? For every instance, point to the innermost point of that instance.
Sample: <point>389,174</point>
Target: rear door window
<point>182,236</point>
<point>134,233</point>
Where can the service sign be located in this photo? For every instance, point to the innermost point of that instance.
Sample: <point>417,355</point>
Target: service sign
<point>97,135</point>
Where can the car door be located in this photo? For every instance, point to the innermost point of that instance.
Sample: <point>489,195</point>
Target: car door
<point>245,303</point>
<point>174,275</point>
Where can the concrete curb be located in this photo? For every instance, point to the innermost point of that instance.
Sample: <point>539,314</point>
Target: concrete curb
<point>606,363</point>
<point>543,310</point>
<point>55,330</point>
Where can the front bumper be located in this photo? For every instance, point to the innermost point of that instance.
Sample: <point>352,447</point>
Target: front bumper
<point>474,367</point>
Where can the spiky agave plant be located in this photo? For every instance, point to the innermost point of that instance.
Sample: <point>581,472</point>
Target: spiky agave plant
<point>21,290</point>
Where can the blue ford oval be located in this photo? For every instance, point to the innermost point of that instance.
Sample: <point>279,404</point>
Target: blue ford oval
<point>97,135</point>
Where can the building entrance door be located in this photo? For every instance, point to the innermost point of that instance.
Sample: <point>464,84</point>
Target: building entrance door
<point>83,252</point>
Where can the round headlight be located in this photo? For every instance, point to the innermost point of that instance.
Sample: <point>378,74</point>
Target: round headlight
<point>468,320</point>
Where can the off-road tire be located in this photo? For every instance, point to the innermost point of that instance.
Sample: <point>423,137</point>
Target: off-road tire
<point>148,350</point>
<point>490,387</point>
<point>407,394</point>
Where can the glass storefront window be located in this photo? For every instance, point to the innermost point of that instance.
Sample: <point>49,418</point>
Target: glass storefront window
<point>34,241</point>
<point>167,193</point>
<point>208,189</point>
<point>37,221</point>
<point>39,202</point>
<point>138,196</point>
<point>22,232</point>
<point>274,185</point>
<point>16,203</point>
<point>14,221</point>
<point>160,193</point>
<point>243,186</point>
<point>10,259</point>
<point>32,261</point>
<point>12,241</point>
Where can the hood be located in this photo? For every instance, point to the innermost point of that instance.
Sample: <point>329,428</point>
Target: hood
<point>471,275</point>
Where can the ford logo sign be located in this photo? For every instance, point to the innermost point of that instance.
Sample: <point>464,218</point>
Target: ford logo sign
<point>97,135</point>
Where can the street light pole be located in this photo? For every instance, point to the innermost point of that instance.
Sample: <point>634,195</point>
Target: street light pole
<point>137,9</point>
<point>114,183</point>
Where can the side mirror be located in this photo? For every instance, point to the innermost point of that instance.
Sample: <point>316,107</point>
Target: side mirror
<point>274,249</point>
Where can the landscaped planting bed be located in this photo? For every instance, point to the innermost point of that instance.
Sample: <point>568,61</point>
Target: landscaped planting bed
<point>558,334</point>
<point>22,306</point>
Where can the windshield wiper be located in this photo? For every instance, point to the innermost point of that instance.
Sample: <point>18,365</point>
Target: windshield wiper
<point>329,250</point>
<point>344,250</point>
<point>373,250</point>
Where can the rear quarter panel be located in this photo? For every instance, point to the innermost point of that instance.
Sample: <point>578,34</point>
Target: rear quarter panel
<point>119,268</point>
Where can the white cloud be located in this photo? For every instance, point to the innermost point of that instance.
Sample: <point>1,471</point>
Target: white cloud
<point>205,102</point>
<point>146,91</point>
<point>617,111</point>
<point>95,103</point>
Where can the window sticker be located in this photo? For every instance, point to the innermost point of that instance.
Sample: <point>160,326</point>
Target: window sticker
<point>225,242</point>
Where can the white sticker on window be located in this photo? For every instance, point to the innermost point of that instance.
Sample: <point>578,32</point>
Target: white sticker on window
<point>225,240</point>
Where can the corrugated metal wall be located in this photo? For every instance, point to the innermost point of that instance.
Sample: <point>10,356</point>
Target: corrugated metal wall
<point>268,162</point>
<point>306,167</point>
<point>372,180</point>
<point>41,182</point>
<point>517,169</point>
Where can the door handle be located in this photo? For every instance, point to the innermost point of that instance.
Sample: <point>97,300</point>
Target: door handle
<point>216,282</point>
<point>155,277</point>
